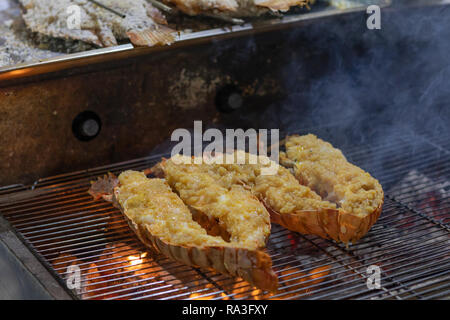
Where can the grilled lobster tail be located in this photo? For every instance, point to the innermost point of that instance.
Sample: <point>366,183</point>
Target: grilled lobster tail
<point>164,224</point>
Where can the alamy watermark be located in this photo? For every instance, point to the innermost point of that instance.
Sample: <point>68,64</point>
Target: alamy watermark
<point>73,280</point>
<point>373,281</point>
<point>73,17</point>
<point>221,147</point>
<point>374,20</point>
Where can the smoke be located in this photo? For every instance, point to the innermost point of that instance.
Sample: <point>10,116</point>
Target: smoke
<point>396,78</point>
<point>350,85</point>
<point>359,87</point>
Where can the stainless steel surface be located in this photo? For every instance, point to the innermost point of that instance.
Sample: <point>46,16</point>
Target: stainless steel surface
<point>108,8</point>
<point>22,276</point>
<point>15,280</point>
<point>410,242</point>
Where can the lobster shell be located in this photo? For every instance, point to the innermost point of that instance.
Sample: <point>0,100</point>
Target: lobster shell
<point>327,223</point>
<point>254,266</point>
<point>336,224</point>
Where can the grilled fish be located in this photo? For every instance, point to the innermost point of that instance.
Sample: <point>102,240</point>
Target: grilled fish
<point>236,8</point>
<point>143,24</point>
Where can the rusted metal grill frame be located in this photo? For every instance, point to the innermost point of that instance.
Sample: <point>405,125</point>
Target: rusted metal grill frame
<point>59,208</point>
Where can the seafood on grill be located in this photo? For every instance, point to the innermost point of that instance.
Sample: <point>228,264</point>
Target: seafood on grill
<point>236,8</point>
<point>232,206</point>
<point>342,203</point>
<point>290,204</point>
<point>357,196</point>
<point>142,23</point>
<point>164,223</point>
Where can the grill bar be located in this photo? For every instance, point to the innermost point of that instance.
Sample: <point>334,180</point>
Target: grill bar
<point>63,225</point>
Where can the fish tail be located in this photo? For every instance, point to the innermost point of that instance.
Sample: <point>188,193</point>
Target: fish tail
<point>150,37</point>
<point>282,5</point>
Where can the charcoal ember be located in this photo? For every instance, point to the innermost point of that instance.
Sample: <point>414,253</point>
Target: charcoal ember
<point>422,194</point>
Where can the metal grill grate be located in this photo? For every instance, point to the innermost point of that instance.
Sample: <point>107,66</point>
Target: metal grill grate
<point>410,242</point>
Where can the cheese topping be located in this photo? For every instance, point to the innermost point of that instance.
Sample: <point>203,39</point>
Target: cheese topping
<point>325,170</point>
<point>243,215</point>
<point>281,191</point>
<point>152,202</point>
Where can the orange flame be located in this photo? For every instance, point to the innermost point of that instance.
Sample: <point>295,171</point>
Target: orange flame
<point>135,260</point>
